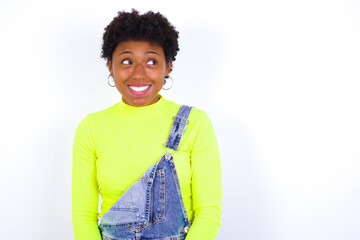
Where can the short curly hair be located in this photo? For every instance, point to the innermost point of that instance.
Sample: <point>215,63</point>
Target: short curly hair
<point>151,27</point>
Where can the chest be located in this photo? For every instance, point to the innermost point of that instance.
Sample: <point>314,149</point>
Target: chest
<point>126,153</point>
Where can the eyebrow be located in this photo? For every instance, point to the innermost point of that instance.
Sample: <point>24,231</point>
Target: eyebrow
<point>153,52</point>
<point>132,52</point>
<point>125,52</point>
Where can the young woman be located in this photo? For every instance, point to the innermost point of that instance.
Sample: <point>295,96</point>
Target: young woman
<point>155,163</point>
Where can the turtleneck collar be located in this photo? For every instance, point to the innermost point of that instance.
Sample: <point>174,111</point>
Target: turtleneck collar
<point>144,111</point>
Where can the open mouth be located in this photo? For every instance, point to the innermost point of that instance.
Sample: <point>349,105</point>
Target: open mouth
<point>139,90</point>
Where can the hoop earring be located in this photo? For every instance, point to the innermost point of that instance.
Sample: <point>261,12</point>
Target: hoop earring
<point>113,80</point>
<point>172,82</point>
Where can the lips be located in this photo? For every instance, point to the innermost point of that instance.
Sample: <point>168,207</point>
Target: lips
<point>139,89</point>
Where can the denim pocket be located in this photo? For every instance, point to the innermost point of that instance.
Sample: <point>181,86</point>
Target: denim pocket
<point>158,197</point>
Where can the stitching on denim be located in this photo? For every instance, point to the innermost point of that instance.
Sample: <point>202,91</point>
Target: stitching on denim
<point>177,237</point>
<point>120,209</point>
<point>162,215</point>
<point>180,120</point>
<point>159,171</point>
<point>148,192</point>
<point>177,183</point>
<point>145,179</point>
<point>126,225</point>
<point>107,238</point>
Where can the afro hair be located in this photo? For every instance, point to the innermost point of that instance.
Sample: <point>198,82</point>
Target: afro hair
<point>151,27</point>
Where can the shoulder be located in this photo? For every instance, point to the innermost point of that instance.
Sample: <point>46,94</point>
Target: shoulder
<point>104,113</point>
<point>198,118</point>
<point>196,114</point>
<point>200,121</point>
<point>97,117</point>
<point>199,130</point>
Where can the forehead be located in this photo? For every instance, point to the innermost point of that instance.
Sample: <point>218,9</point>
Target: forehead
<point>138,47</point>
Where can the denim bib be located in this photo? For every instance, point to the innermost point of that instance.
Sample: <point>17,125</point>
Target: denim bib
<point>152,208</point>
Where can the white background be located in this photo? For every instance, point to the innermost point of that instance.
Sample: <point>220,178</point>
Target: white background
<point>279,80</point>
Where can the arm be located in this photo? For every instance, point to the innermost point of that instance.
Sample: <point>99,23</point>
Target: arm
<point>85,193</point>
<point>206,183</point>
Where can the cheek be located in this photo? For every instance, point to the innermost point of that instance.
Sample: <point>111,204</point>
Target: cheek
<point>122,75</point>
<point>156,75</point>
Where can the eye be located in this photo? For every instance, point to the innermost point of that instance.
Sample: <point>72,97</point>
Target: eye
<point>152,62</point>
<point>126,62</point>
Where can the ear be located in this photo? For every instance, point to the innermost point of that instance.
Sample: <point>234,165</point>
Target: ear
<point>109,64</point>
<point>168,68</point>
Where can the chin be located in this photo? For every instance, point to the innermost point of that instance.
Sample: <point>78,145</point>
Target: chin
<point>139,102</point>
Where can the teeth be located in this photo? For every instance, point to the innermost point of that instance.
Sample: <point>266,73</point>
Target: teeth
<point>139,89</point>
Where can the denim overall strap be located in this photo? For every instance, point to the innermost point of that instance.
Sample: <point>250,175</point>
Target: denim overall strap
<point>178,127</point>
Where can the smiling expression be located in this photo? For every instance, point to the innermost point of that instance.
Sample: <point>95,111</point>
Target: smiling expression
<point>139,69</point>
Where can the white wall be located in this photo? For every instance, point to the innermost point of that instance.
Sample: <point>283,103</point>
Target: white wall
<point>279,79</point>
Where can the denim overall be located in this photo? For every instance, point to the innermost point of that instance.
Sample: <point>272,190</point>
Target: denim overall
<point>152,208</point>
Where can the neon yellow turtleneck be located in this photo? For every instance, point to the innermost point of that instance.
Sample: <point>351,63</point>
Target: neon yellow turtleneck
<point>113,147</point>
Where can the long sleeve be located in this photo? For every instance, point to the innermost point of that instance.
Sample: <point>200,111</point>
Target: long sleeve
<point>85,191</point>
<point>206,183</point>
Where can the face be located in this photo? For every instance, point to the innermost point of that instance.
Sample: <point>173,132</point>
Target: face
<point>139,69</point>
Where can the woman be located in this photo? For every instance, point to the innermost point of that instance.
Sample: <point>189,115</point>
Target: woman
<point>125,150</point>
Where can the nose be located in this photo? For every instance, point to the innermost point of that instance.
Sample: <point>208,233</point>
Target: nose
<point>138,72</point>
